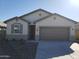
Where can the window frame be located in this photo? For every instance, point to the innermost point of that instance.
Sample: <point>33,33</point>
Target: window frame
<point>20,28</point>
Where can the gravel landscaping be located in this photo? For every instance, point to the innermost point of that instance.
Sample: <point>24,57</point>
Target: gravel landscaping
<point>17,49</point>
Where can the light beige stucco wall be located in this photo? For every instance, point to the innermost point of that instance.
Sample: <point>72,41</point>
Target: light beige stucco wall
<point>35,16</point>
<point>58,22</point>
<point>19,35</point>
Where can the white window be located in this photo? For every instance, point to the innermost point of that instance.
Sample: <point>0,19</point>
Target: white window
<point>16,28</point>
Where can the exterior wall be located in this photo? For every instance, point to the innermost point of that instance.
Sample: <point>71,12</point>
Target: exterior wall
<point>77,35</point>
<point>77,30</point>
<point>35,16</point>
<point>23,35</point>
<point>56,21</point>
<point>77,26</point>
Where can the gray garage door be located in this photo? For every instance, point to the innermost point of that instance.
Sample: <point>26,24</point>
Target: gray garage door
<point>54,33</point>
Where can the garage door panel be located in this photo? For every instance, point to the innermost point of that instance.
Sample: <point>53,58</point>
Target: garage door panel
<point>54,33</point>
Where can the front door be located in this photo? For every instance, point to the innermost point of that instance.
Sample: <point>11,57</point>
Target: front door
<point>31,32</point>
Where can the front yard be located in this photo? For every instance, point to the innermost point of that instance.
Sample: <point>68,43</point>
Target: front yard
<point>17,49</point>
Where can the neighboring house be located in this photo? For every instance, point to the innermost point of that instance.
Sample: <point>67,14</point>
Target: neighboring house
<point>41,25</point>
<point>2,26</point>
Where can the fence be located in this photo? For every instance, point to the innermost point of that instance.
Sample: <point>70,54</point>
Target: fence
<point>2,34</point>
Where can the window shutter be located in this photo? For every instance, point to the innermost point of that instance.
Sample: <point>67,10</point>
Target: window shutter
<point>21,28</point>
<point>12,28</point>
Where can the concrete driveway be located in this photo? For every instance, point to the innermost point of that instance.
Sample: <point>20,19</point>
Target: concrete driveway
<point>56,50</point>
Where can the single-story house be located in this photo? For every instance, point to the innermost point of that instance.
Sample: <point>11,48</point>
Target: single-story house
<point>41,25</point>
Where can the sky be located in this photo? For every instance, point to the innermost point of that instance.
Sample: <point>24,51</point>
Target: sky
<point>12,8</point>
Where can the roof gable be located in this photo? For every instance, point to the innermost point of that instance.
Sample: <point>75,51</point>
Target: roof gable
<point>57,15</point>
<point>34,12</point>
<point>65,18</point>
<point>27,19</point>
<point>16,19</point>
<point>35,15</point>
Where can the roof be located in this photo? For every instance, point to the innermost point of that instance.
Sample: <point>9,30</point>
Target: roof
<point>10,19</point>
<point>35,11</point>
<point>26,15</point>
<point>50,14</point>
<point>15,18</point>
<point>65,18</point>
<point>58,15</point>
